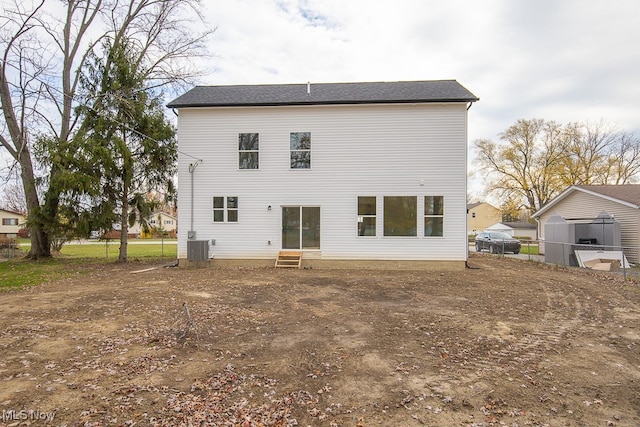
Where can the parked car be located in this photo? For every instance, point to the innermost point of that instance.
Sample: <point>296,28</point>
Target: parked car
<point>497,242</point>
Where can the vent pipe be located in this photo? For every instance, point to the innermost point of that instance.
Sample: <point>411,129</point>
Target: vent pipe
<point>308,88</point>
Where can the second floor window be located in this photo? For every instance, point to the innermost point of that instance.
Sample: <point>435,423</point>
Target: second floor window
<point>300,150</point>
<point>248,150</point>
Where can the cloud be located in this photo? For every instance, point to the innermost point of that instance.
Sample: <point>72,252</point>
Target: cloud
<point>566,61</point>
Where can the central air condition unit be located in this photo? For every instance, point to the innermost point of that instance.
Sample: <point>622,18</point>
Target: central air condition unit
<point>197,250</point>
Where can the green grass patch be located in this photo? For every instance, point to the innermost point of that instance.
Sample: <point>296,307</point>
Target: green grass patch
<point>110,251</point>
<point>531,250</point>
<point>20,273</point>
<point>17,272</point>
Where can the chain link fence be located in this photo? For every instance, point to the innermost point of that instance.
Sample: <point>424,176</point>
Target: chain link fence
<point>618,260</point>
<point>9,248</point>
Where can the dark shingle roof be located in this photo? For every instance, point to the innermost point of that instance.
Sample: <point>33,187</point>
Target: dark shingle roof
<point>325,93</point>
<point>521,225</point>
<point>627,192</point>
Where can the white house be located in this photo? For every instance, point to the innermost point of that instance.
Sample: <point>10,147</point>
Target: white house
<point>366,173</point>
<point>157,221</point>
<point>10,223</point>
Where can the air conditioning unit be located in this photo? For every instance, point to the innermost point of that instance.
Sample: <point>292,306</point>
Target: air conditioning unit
<point>197,250</point>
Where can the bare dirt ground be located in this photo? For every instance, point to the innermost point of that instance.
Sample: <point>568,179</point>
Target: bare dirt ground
<point>508,342</point>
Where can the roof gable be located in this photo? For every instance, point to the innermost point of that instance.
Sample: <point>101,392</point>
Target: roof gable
<point>11,212</point>
<point>161,214</point>
<point>626,194</point>
<point>325,93</point>
<point>476,204</point>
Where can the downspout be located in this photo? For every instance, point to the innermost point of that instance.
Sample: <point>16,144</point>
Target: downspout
<point>192,169</point>
<point>466,217</point>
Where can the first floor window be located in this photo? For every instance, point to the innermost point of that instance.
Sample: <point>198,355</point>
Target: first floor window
<point>400,216</point>
<point>367,216</point>
<point>9,221</point>
<point>433,216</point>
<point>300,150</point>
<point>225,209</point>
<point>248,149</point>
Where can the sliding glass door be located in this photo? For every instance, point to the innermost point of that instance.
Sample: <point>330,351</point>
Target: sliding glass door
<point>300,227</point>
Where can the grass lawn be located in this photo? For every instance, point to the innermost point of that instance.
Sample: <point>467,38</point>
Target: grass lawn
<point>17,273</point>
<point>110,251</point>
<point>529,249</point>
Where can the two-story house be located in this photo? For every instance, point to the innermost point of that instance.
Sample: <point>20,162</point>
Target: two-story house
<point>10,223</point>
<point>157,222</point>
<point>350,174</point>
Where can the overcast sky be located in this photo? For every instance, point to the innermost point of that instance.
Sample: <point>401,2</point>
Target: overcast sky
<point>568,60</point>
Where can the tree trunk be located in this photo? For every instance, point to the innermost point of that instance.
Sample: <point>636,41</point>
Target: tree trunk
<point>124,226</point>
<point>40,247</point>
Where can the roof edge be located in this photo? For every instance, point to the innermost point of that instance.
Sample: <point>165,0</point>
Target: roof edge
<point>286,104</point>
<point>573,188</point>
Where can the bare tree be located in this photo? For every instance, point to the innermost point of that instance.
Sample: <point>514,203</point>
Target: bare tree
<point>42,56</point>
<point>536,159</point>
<point>525,165</point>
<point>14,199</point>
<point>623,161</point>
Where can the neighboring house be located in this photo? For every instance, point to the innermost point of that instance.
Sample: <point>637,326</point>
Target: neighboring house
<point>157,221</point>
<point>343,172</point>
<point>516,229</point>
<point>10,223</point>
<point>480,216</point>
<point>588,201</point>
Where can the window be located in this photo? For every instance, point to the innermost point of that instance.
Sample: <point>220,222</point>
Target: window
<point>168,221</point>
<point>400,216</point>
<point>433,216</point>
<point>225,209</point>
<point>9,221</point>
<point>367,216</point>
<point>300,150</point>
<point>248,149</point>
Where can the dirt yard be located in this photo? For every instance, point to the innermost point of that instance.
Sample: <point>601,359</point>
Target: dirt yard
<point>506,343</point>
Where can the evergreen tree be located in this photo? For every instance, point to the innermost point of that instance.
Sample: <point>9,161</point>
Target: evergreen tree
<point>126,146</point>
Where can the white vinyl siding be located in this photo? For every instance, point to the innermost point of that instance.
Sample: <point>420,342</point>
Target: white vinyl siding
<point>360,150</point>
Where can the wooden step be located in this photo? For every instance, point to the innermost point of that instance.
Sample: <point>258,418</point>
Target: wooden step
<point>289,259</point>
